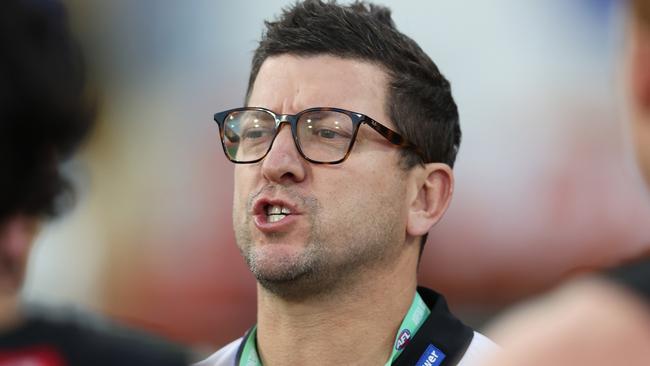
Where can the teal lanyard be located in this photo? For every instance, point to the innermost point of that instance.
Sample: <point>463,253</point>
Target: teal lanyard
<point>416,315</point>
<point>249,356</point>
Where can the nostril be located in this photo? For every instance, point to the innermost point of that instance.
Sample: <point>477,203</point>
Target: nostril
<point>288,175</point>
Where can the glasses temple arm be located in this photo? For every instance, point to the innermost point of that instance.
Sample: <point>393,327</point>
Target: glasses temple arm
<point>392,136</point>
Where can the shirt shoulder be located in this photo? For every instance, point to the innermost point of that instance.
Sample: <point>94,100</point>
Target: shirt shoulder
<point>480,349</point>
<point>79,338</point>
<point>226,356</point>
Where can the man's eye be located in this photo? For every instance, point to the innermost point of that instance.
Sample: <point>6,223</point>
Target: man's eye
<point>255,134</point>
<point>328,134</point>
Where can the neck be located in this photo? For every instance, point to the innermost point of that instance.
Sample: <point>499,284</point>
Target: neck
<point>354,325</point>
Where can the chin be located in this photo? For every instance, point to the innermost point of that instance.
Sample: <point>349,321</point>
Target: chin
<point>295,286</point>
<point>277,262</point>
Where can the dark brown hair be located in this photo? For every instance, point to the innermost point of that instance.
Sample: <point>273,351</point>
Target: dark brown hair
<point>419,99</point>
<point>44,113</point>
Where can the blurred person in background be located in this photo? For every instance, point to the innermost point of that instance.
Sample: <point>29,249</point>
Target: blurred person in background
<point>603,319</point>
<point>331,212</point>
<point>45,114</point>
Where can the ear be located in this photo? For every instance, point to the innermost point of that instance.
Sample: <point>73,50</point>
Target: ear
<point>16,236</point>
<point>432,191</point>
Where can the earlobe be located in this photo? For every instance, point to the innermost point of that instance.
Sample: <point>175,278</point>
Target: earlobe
<point>435,184</point>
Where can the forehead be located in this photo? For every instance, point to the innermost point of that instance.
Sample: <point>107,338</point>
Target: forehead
<point>289,84</point>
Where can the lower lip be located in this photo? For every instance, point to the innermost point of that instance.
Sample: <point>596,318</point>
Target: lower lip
<point>262,223</point>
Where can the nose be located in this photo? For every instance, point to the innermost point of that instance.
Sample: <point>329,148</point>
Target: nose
<point>283,162</point>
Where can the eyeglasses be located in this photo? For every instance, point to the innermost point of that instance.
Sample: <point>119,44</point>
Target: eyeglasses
<point>321,135</point>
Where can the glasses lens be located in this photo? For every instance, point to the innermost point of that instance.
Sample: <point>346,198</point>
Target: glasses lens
<point>325,136</point>
<point>248,134</point>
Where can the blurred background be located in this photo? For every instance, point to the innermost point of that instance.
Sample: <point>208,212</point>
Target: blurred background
<point>546,183</point>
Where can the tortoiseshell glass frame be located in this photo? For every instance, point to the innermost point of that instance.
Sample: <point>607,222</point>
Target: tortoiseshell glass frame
<point>357,119</point>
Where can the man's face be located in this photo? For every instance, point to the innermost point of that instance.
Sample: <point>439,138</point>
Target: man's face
<point>344,218</point>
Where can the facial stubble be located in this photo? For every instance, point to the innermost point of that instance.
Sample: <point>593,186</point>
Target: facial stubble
<point>331,260</point>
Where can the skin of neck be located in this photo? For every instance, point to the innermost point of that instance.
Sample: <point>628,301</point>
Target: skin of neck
<point>356,325</point>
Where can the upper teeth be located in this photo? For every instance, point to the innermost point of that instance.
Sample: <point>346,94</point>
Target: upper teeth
<point>277,210</point>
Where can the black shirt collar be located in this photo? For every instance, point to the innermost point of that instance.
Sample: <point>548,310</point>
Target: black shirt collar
<point>441,330</point>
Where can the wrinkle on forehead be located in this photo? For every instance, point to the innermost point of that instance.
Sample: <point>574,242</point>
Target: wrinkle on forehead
<point>289,84</point>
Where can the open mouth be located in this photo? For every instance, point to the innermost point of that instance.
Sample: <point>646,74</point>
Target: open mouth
<point>275,213</point>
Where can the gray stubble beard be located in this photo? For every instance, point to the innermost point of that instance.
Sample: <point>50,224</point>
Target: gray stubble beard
<point>316,272</point>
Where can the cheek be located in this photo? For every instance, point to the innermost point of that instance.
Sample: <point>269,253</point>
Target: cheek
<point>241,191</point>
<point>237,205</point>
<point>362,198</point>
